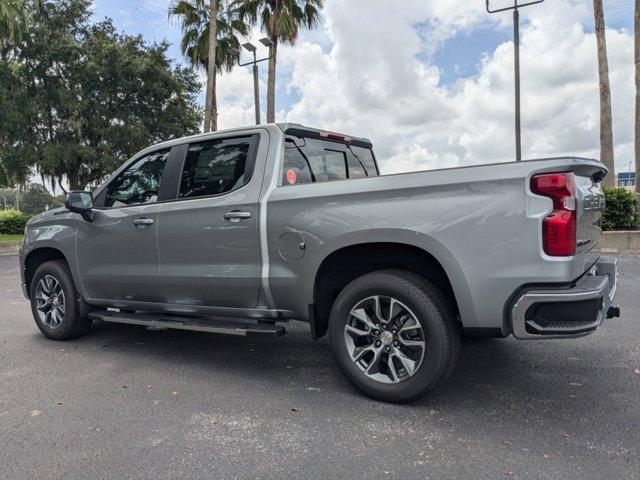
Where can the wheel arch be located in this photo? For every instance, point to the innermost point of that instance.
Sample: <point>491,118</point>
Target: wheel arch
<point>37,257</point>
<point>347,263</point>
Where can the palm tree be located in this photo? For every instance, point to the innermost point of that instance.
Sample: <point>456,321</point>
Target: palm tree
<point>637,59</point>
<point>196,32</point>
<point>211,103</point>
<point>282,21</point>
<point>606,123</point>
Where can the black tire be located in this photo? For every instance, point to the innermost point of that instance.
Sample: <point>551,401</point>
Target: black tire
<point>72,324</point>
<point>433,312</point>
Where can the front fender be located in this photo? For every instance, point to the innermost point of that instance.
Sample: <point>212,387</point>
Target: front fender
<point>58,233</point>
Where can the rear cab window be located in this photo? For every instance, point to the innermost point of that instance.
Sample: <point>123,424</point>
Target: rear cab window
<point>318,160</point>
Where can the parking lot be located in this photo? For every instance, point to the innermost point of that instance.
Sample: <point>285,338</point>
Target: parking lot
<point>125,402</point>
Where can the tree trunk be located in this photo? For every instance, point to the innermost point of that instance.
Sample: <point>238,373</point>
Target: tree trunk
<point>74,181</point>
<point>637,58</point>
<point>211,65</point>
<point>606,123</point>
<point>271,83</point>
<point>214,105</point>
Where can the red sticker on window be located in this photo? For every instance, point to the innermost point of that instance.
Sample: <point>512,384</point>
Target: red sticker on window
<point>291,176</point>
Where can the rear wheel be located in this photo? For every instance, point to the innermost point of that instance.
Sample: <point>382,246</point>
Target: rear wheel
<point>54,302</point>
<point>394,335</point>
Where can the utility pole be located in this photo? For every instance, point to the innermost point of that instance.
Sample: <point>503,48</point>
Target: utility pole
<point>250,47</point>
<point>516,42</point>
<point>256,89</point>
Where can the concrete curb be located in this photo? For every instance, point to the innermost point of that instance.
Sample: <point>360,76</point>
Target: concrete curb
<point>9,248</point>
<point>621,241</point>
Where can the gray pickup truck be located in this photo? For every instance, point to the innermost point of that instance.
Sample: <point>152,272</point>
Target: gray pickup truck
<point>240,231</point>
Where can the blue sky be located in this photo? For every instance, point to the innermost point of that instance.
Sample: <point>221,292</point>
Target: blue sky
<point>425,72</point>
<point>458,56</point>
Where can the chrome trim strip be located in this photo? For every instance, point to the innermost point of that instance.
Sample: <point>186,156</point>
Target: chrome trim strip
<point>160,325</point>
<point>264,241</point>
<point>191,309</point>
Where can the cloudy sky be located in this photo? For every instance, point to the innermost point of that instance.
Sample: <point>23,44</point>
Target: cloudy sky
<point>430,82</point>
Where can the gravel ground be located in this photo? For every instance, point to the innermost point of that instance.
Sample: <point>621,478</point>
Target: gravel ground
<point>125,402</point>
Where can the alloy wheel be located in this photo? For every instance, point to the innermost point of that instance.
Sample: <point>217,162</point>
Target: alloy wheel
<point>384,339</point>
<point>50,301</point>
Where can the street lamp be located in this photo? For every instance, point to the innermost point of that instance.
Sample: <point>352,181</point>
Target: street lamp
<point>251,48</point>
<point>516,43</point>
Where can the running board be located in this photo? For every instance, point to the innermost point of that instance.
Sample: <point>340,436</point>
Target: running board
<point>227,326</point>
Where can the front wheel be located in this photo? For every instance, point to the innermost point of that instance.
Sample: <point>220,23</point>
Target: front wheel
<point>394,335</point>
<point>54,302</point>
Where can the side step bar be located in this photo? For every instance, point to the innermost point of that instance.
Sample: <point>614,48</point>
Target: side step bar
<point>228,326</point>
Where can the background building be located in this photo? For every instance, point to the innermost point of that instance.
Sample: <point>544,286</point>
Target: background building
<point>627,180</point>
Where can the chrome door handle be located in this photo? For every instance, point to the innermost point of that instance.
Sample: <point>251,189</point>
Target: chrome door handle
<point>143,222</point>
<point>236,216</point>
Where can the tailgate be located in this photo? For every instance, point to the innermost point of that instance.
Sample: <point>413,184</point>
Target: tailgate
<point>590,208</point>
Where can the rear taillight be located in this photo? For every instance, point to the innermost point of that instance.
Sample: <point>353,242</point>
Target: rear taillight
<point>559,227</point>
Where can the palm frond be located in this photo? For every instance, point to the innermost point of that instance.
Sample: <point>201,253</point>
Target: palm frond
<point>194,16</point>
<point>282,19</point>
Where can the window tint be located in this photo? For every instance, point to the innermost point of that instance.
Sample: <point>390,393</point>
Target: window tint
<point>364,158</point>
<point>139,183</point>
<point>215,167</point>
<point>308,160</point>
<point>329,165</point>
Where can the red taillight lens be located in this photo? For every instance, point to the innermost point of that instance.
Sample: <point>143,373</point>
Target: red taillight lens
<point>335,136</point>
<point>559,227</point>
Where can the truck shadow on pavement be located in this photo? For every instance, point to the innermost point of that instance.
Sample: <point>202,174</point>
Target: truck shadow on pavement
<point>550,380</point>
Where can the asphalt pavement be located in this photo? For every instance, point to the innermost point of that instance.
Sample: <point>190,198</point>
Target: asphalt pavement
<point>126,402</point>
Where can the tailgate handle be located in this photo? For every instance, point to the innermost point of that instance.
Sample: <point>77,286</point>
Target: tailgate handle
<point>598,176</point>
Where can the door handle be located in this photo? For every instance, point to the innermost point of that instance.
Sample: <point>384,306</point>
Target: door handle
<point>143,222</point>
<point>236,216</point>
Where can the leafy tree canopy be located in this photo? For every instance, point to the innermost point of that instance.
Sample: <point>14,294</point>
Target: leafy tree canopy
<point>77,99</point>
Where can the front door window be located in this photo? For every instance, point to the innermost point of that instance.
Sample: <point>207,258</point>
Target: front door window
<point>138,184</point>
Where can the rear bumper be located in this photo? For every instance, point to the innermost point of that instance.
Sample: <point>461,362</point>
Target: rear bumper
<point>544,313</point>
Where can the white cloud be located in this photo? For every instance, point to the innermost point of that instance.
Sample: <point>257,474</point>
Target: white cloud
<point>235,98</point>
<point>364,72</point>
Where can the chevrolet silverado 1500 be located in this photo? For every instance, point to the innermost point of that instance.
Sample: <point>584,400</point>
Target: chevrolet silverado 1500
<point>239,231</point>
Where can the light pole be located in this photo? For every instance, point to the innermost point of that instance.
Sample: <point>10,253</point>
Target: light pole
<point>516,43</point>
<point>250,47</point>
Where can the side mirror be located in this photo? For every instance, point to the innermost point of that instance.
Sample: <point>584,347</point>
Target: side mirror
<point>80,202</point>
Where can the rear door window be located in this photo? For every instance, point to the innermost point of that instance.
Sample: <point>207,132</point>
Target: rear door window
<point>310,160</point>
<point>216,167</point>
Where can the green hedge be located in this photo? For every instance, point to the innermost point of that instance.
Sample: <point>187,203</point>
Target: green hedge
<point>620,212</point>
<point>12,222</point>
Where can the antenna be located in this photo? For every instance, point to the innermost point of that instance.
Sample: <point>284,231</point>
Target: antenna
<point>516,43</point>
